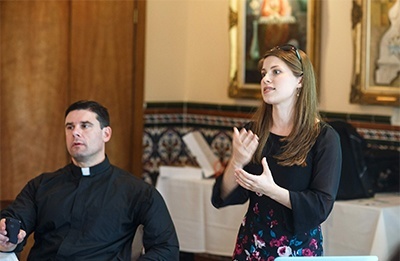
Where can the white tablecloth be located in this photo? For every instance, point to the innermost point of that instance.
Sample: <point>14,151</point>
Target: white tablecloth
<point>364,227</point>
<point>355,227</point>
<point>201,228</point>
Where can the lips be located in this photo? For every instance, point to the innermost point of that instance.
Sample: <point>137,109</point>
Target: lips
<point>76,143</point>
<point>268,89</point>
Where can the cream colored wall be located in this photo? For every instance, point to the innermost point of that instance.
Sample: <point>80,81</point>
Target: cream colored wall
<point>187,55</point>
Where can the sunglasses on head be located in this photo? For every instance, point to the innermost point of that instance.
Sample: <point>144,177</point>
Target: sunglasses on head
<point>289,47</point>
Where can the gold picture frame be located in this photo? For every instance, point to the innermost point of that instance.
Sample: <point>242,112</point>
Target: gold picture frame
<point>255,28</point>
<point>376,79</point>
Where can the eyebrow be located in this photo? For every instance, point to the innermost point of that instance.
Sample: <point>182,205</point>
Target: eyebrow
<point>82,122</point>
<point>273,67</point>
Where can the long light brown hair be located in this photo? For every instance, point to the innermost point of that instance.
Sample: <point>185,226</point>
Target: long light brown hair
<point>306,117</point>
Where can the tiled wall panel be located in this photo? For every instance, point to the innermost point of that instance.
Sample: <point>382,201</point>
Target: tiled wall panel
<point>167,123</point>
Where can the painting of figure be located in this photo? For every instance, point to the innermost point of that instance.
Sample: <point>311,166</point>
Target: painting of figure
<point>387,66</point>
<point>270,23</point>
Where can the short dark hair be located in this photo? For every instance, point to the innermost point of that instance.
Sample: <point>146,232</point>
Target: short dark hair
<point>102,113</point>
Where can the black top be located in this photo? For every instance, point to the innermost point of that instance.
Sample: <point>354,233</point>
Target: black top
<point>93,217</point>
<point>271,229</point>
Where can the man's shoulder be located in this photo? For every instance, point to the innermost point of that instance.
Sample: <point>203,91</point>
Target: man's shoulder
<point>128,177</point>
<point>57,172</point>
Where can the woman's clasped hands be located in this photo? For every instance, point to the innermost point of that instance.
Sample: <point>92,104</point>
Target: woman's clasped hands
<point>244,145</point>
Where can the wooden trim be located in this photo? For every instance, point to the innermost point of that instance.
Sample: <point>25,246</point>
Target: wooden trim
<point>138,87</point>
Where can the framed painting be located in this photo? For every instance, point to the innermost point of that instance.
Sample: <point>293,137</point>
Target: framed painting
<point>259,25</point>
<point>376,39</point>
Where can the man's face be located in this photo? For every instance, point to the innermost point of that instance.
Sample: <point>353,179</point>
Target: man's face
<point>85,139</point>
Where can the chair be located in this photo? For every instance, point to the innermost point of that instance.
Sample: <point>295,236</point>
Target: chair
<point>328,258</point>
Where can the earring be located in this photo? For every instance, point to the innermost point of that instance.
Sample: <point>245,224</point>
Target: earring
<point>298,92</point>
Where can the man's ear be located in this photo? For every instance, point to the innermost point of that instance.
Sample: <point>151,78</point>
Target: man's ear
<point>107,131</point>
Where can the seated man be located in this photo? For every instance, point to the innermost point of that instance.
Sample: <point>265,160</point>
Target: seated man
<point>90,209</point>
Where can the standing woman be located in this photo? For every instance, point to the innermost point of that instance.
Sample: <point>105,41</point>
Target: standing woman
<point>286,162</point>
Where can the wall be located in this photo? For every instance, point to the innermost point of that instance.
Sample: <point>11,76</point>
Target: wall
<point>187,55</point>
<point>80,50</point>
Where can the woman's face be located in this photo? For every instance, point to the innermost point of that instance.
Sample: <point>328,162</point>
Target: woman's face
<point>278,84</point>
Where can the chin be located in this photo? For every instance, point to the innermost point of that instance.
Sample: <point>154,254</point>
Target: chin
<point>267,100</point>
<point>77,157</point>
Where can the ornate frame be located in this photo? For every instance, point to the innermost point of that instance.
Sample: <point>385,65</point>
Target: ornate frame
<point>374,79</point>
<point>242,12</point>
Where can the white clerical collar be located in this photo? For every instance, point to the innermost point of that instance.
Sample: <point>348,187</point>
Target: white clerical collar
<point>85,171</point>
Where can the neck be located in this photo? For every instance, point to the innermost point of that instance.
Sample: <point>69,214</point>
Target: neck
<point>282,121</point>
<point>87,163</point>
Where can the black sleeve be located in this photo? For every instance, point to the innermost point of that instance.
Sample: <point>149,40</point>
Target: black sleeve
<point>23,208</point>
<point>311,207</point>
<point>236,197</point>
<point>159,237</point>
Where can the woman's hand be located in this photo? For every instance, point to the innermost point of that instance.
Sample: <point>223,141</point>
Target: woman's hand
<point>244,144</point>
<point>263,184</point>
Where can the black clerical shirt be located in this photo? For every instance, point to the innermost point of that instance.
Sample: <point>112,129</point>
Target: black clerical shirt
<point>92,214</point>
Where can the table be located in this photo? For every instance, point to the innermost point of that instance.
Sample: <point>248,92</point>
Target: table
<point>201,228</point>
<point>355,227</point>
<point>364,227</point>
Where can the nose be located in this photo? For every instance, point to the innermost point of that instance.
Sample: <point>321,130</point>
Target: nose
<point>76,133</point>
<point>266,79</point>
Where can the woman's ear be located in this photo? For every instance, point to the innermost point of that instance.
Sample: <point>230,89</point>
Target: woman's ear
<point>300,82</point>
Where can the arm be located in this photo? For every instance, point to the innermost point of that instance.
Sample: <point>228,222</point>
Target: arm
<point>244,144</point>
<point>159,237</point>
<point>226,190</point>
<point>22,208</point>
<point>312,206</point>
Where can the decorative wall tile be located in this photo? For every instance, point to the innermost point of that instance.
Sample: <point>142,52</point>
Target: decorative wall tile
<point>167,123</point>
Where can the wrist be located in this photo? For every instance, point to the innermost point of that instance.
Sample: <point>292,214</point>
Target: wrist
<point>4,249</point>
<point>12,251</point>
<point>235,164</point>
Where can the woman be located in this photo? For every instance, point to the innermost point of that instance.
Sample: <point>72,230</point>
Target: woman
<point>286,162</point>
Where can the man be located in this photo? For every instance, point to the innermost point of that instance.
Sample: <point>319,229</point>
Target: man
<point>90,209</point>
